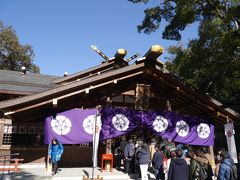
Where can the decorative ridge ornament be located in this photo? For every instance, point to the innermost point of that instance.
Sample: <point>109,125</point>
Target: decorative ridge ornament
<point>100,52</point>
<point>154,52</point>
<point>120,54</point>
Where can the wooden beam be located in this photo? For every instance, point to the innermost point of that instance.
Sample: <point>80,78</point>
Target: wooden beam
<point>210,102</point>
<point>189,105</point>
<point>130,93</point>
<point>74,93</point>
<point>11,92</point>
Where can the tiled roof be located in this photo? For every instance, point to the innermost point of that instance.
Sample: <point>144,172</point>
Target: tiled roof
<point>15,81</point>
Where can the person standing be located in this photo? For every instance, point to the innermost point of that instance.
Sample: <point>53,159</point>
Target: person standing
<point>144,160</point>
<point>129,154</point>
<point>226,168</point>
<point>138,147</point>
<point>171,156</point>
<point>118,157</point>
<point>178,168</point>
<point>205,165</point>
<point>55,152</point>
<point>157,162</point>
<point>123,145</point>
<point>152,149</point>
<point>195,167</point>
<point>207,155</point>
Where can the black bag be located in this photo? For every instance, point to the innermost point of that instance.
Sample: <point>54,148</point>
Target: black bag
<point>209,170</point>
<point>203,173</point>
<point>206,171</point>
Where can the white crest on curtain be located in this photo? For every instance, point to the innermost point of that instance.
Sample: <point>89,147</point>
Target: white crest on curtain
<point>160,124</point>
<point>203,130</point>
<point>182,128</point>
<point>88,123</point>
<point>120,122</point>
<point>61,125</point>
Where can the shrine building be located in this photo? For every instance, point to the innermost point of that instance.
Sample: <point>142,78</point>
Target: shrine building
<point>27,99</point>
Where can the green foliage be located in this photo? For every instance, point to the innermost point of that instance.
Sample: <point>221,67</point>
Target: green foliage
<point>180,13</point>
<point>13,55</point>
<point>211,62</point>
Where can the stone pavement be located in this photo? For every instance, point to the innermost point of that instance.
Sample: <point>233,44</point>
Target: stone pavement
<point>66,174</point>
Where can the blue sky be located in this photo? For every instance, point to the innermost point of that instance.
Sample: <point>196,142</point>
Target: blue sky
<point>61,31</point>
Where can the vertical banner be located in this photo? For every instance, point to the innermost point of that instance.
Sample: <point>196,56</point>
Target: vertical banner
<point>229,132</point>
<point>96,135</point>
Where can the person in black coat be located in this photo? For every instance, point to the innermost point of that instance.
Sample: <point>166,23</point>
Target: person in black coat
<point>178,168</point>
<point>195,167</point>
<point>129,157</point>
<point>157,163</point>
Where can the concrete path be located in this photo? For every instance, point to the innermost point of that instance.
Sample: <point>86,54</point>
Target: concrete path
<point>66,174</point>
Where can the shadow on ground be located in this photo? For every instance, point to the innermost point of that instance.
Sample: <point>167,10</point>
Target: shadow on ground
<point>20,175</point>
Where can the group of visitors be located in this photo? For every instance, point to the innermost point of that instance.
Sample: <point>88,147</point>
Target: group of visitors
<point>168,161</point>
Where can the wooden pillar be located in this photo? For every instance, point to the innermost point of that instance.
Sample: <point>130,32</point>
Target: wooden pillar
<point>212,157</point>
<point>1,131</point>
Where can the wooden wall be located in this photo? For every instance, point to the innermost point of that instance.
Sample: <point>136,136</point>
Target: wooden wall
<point>73,156</point>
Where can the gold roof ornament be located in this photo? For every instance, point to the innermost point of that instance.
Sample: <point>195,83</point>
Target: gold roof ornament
<point>120,54</point>
<point>154,52</point>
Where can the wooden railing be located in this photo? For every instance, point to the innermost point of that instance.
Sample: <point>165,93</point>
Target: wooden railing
<point>11,162</point>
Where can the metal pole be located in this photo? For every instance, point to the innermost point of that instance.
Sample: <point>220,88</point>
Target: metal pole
<point>94,145</point>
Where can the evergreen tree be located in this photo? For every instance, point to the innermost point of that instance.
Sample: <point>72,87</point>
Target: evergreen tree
<point>211,62</point>
<point>13,55</point>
